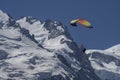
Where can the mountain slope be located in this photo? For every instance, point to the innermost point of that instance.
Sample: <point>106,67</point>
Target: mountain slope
<point>106,62</point>
<point>32,50</point>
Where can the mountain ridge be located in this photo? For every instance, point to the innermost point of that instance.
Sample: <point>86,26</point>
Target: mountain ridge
<point>106,63</point>
<point>34,50</point>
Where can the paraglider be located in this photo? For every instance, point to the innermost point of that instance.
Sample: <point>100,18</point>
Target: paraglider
<point>82,22</point>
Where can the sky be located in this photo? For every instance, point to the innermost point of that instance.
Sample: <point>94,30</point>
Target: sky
<point>104,16</point>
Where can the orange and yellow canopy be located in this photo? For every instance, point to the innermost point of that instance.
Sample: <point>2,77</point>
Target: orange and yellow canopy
<point>82,22</point>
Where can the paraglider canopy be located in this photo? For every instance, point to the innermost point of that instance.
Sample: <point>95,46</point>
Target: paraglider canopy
<point>82,22</point>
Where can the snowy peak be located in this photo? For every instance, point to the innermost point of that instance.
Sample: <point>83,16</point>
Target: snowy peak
<point>8,27</point>
<point>57,35</point>
<point>106,63</point>
<point>46,33</point>
<point>35,50</point>
<point>3,17</point>
<point>6,21</point>
<point>28,19</point>
<point>115,49</point>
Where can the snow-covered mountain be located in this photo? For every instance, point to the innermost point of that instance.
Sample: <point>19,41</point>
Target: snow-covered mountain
<point>106,63</point>
<point>35,50</point>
